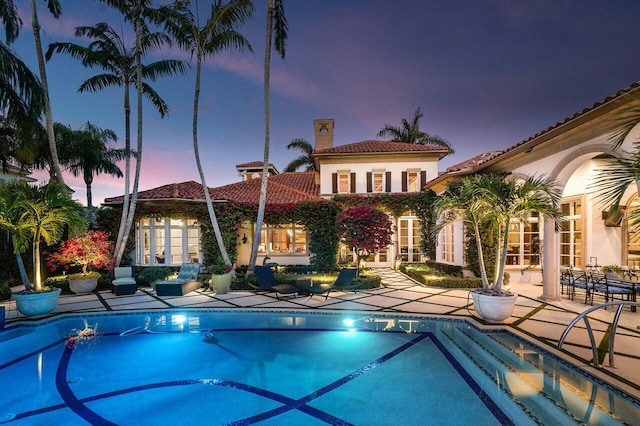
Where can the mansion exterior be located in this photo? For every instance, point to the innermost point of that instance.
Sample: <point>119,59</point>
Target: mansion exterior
<point>571,151</point>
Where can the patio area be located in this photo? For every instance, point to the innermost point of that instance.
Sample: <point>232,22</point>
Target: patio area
<point>538,320</point>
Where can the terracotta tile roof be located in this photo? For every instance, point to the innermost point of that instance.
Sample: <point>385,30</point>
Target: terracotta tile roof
<point>253,165</point>
<point>380,147</point>
<point>284,188</point>
<point>474,162</point>
<point>190,190</point>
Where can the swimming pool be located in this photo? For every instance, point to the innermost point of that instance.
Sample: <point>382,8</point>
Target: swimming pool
<point>249,367</point>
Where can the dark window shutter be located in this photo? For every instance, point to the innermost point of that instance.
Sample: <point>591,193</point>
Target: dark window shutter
<point>369,182</point>
<point>334,183</point>
<point>353,183</point>
<point>404,182</point>
<point>423,179</point>
<point>388,181</point>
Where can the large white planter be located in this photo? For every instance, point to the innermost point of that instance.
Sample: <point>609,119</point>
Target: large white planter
<point>83,285</point>
<point>493,308</point>
<point>37,304</point>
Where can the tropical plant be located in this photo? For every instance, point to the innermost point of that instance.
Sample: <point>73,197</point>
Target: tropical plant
<point>90,250</point>
<point>409,132</point>
<point>616,174</point>
<point>33,214</point>
<point>366,229</point>
<point>277,26</point>
<point>20,91</point>
<point>88,152</point>
<point>219,33</point>
<point>490,203</point>
<point>108,51</point>
<point>305,160</point>
<point>611,268</point>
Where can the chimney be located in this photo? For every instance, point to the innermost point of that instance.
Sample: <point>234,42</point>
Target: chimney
<point>324,133</point>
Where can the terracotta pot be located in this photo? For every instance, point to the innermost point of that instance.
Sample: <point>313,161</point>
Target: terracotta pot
<point>221,283</point>
<point>83,285</point>
<point>494,308</point>
<point>37,304</point>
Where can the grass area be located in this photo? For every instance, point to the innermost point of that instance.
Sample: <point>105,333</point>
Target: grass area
<point>432,277</point>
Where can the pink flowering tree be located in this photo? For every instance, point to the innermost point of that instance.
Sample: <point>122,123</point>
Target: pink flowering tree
<point>92,250</point>
<point>365,229</point>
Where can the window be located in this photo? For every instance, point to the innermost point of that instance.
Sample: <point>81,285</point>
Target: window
<point>523,244</point>
<point>413,180</point>
<point>409,239</point>
<point>283,239</point>
<point>571,234</point>
<point>165,241</point>
<point>446,240</point>
<point>343,182</point>
<point>378,181</point>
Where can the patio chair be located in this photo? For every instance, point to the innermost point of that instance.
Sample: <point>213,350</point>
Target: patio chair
<point>124,283</point>
<point>346,281</point>
<point>343,282</point>
<point>267,283</point>
<point>186,282</point>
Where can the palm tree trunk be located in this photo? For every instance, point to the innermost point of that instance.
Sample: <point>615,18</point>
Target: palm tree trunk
<point>483,269</point>
<point>120,241</point>
<point>55,161</point>
<point>23,272</point>
<point>36,262</point>
<point>207,196</point>
<point>267,132</point>
<point>136,180</point>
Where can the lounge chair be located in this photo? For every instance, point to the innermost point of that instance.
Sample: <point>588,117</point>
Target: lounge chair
<point>186,282</point>
<point>343,282</point>
<point>124,283</point>
<point>267,283</point>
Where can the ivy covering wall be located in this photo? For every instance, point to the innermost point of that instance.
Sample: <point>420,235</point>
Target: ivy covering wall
<point>318,218</point>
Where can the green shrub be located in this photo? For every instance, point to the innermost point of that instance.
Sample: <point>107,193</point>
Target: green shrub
<point>5,290</point>
<point>424,274</point>
<point>153,274</point>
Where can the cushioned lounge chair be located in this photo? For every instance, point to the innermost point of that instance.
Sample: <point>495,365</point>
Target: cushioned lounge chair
<point>124,283</point>
<point>343,282</point>
<point>186,282</point>
<point>267,283</point>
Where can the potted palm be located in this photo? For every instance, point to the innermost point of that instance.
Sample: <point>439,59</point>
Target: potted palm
<point>220,278</point>
<point>32,214</point>
<point>487,204</point>
<point>91,252</point>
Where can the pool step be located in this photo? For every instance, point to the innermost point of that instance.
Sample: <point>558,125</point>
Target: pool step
<point>549,391</point>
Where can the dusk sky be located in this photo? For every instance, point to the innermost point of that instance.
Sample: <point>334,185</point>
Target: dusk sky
<point>487,74</point>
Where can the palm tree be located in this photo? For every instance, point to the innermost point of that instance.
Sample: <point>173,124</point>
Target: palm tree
<point>88,152</point>
<point>108,51</point>
<point>305,160</point>
<point>55,9</point>
<point>491,202</point>
<point>218,34</point>
<point>38,213</point>
<point>409,132</point>
<point>276,25</point>
<point>613,179</point>
<point>20,91</point>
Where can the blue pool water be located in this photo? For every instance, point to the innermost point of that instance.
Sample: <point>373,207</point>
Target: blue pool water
<point>243,368</point>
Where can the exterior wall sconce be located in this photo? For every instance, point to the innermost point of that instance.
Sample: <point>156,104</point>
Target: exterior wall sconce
<point>244,238</point>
